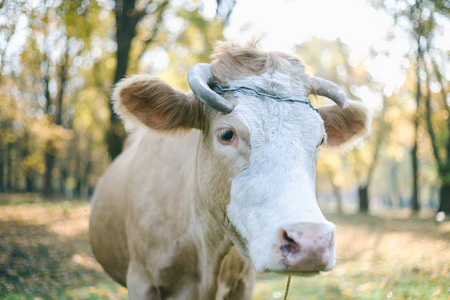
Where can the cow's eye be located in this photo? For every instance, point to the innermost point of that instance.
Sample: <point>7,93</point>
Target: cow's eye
<point>226,135</point>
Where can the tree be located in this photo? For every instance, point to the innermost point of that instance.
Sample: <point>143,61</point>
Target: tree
<point>380,128</point>
<point>129,15</point>
<point>60,47</point>
<point>423,21</point>
<point>41,77</point>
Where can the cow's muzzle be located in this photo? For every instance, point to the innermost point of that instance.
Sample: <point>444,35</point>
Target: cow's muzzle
<point>307,247</point>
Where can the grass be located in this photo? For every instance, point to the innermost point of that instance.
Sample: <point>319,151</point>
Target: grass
<point>45,254</point>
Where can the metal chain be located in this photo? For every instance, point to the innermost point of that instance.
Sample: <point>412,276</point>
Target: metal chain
<point>217,88</point>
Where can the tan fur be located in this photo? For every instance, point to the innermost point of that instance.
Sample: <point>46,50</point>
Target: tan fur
<point>232,61</point>
<point>344,126</point>
<point>150,231</point>
<point>152,102</point>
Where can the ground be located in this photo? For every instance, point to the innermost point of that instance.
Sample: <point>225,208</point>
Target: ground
<point>45,254</point>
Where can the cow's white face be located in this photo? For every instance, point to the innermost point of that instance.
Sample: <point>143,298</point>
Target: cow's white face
<point>271,149</point>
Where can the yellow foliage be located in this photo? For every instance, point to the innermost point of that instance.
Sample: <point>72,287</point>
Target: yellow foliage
<point>34,162</point>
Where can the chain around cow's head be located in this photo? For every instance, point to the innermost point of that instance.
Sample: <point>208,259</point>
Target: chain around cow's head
<point>245,90</point>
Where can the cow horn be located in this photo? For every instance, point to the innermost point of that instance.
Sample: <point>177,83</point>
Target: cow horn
<point>330,90</point>
<point>198,77</point>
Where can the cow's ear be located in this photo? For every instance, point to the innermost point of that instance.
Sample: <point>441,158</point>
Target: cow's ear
<point>148,100</point>
<point>345,126</point>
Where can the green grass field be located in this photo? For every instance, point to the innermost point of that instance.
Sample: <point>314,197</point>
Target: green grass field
<point>45,254</point>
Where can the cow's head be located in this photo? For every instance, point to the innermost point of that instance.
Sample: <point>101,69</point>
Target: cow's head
<point>256,162</point>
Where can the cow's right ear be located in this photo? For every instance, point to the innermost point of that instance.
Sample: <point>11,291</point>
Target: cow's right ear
<point>345,126</point>
<point>148,100</point>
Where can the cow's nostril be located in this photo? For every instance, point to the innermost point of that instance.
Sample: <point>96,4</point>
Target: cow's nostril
<point>287,238</point>
<point>289,246</point>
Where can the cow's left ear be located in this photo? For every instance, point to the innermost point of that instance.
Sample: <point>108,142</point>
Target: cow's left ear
<point>147,100</point>
<point>345,126</point>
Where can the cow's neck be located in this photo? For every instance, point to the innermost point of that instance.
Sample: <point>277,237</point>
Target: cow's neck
<point>195,259</point>
<point>214,246</point>
<point>200,247</point>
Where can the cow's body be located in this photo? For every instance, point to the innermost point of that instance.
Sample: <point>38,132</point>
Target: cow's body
<point>149,219</point>
<point>177,216</point>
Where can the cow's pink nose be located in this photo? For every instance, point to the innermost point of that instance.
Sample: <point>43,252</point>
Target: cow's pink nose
<point>308,247</point>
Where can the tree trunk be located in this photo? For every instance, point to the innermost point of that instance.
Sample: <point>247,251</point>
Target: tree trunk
<point>77,189</point>
<point>9,167</point>
<point>62,181</point>
<point>414,161</point>
<point>444,199</point>
<point>336,192</point>
<point>90,190</point>
<point>87,172</point>
<point>29,172</point>
<point>415,172</point>
<point>50,157</point>
<point>29,181</point>
<point>364,187</point>
<point>363,198</point>
<point>395,190</point>
<point>126,21</point>
<point>115,135</point>
<point>1,171</point>
<point>50,149</point>
<point>338,196</point>
<point>77,174</point>
<point>444,204</point>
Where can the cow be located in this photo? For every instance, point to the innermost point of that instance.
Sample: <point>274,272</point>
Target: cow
<point>218,184</point>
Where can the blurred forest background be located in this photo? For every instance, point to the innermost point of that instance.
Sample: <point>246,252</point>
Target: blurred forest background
<point>59,61</point>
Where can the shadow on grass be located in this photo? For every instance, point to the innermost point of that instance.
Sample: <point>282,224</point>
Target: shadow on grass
<point>38,264</point>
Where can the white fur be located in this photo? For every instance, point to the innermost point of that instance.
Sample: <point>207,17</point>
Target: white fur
<point>278,187</point>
